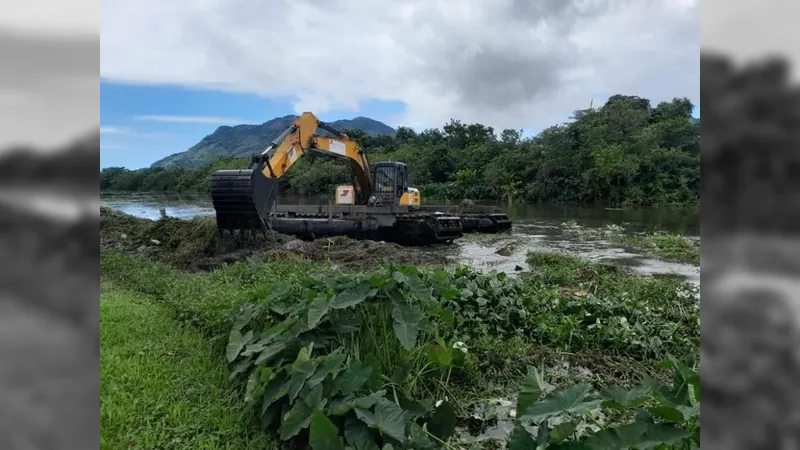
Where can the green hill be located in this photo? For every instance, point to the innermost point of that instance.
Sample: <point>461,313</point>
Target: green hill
<point>245,140</point>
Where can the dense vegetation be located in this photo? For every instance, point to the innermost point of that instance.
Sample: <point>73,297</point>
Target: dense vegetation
<point>245,140</point>
<point>626,152</point>
<point>392,356</point>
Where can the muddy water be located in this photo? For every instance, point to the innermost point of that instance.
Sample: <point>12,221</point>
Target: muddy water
<point>507,252</point>
<point>535,228</point>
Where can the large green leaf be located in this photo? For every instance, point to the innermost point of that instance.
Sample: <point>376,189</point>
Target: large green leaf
<point>270,352</point>
<point>276,388</point>
<point>418,288</point>
<point>351,297</point>
<point>617,397</point>
<point>533,385</point>
<point>252,384</point>
<point>243,318</point>
<point>354,377</point>
<point>572,400</point>
<point>316,312</point>
<point>330,363</point>
<point>392,291</point>
<point>439,355</point>
<point>323,433</point>
<point>299,375</point>
<point>241,368</point>
<point>400,277</point>
<point>358,435</point>
<point>345,322</point>
<point>235,346</point>
<point>343,405</point>
<point>407,319</point>
<point>562,431</point>
<point>299,417</point>
<point>638,435</point>
<point>520,439</point>
<point>387,418</point>
<point>668,413</point>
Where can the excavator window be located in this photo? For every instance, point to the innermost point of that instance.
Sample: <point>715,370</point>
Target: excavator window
<point>400,177</point>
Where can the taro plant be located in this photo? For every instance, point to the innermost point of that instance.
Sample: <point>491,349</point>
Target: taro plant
<point>661,416</point>
<point>355,360</point>
<point>489,303</point>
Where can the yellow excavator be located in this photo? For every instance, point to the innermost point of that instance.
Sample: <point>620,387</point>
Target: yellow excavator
<point>243,199</point>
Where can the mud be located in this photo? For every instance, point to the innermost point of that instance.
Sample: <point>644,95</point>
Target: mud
<point>507,252</point>
<point>196,245</point>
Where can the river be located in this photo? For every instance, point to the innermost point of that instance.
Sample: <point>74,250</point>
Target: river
<point>536,227</point>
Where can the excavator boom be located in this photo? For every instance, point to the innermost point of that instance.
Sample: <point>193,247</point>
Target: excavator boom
<point>244,198</point>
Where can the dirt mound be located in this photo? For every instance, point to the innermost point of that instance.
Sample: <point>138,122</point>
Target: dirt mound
<point>196,245</point>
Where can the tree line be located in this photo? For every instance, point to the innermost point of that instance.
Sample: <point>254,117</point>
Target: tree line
<point>626,153</point>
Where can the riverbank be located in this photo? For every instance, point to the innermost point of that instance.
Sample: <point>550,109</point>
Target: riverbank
<point>448,346</point>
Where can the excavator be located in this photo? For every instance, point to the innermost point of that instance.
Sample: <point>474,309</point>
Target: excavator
<point>380,202</point>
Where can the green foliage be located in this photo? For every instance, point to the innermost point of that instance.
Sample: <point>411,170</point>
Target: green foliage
<point>372,350</point>
<point>625,153</point>
<point>394,357</point>
<point>663,416</point>
<point>341,355</point>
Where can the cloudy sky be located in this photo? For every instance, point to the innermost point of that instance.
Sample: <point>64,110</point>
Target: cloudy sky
<point>507,63</point>
<point>751,29</point>
<point>49,76</point>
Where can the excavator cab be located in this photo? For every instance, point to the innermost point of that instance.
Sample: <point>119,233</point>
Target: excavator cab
<point>391,187</point>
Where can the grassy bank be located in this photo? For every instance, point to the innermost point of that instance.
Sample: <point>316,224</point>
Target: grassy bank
<point>161,384</point>
<point>663,246</point>
<point>324,354</point>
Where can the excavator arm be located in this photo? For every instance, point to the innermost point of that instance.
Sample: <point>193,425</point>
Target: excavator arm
<point>243,198</point>
<point>301,138</point>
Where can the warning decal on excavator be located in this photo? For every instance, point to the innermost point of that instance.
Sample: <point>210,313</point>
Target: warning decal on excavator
<point>337,147</point>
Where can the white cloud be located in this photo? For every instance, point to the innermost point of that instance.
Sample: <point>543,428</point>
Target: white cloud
<point>112,130</point>
<point>507,63</point>
<point>748,29</point>
<point>52,17</point>
<point>190,119</point>
<point>127,132</point>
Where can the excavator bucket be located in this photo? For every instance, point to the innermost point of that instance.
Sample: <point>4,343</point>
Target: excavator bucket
<point>243,199</point>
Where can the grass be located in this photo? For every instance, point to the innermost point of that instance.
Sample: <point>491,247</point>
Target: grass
<point>419,335</point>
<point>162,385</point>
<point>667,247</point>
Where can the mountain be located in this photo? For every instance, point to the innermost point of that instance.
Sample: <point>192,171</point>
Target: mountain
<point>245,140</point>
